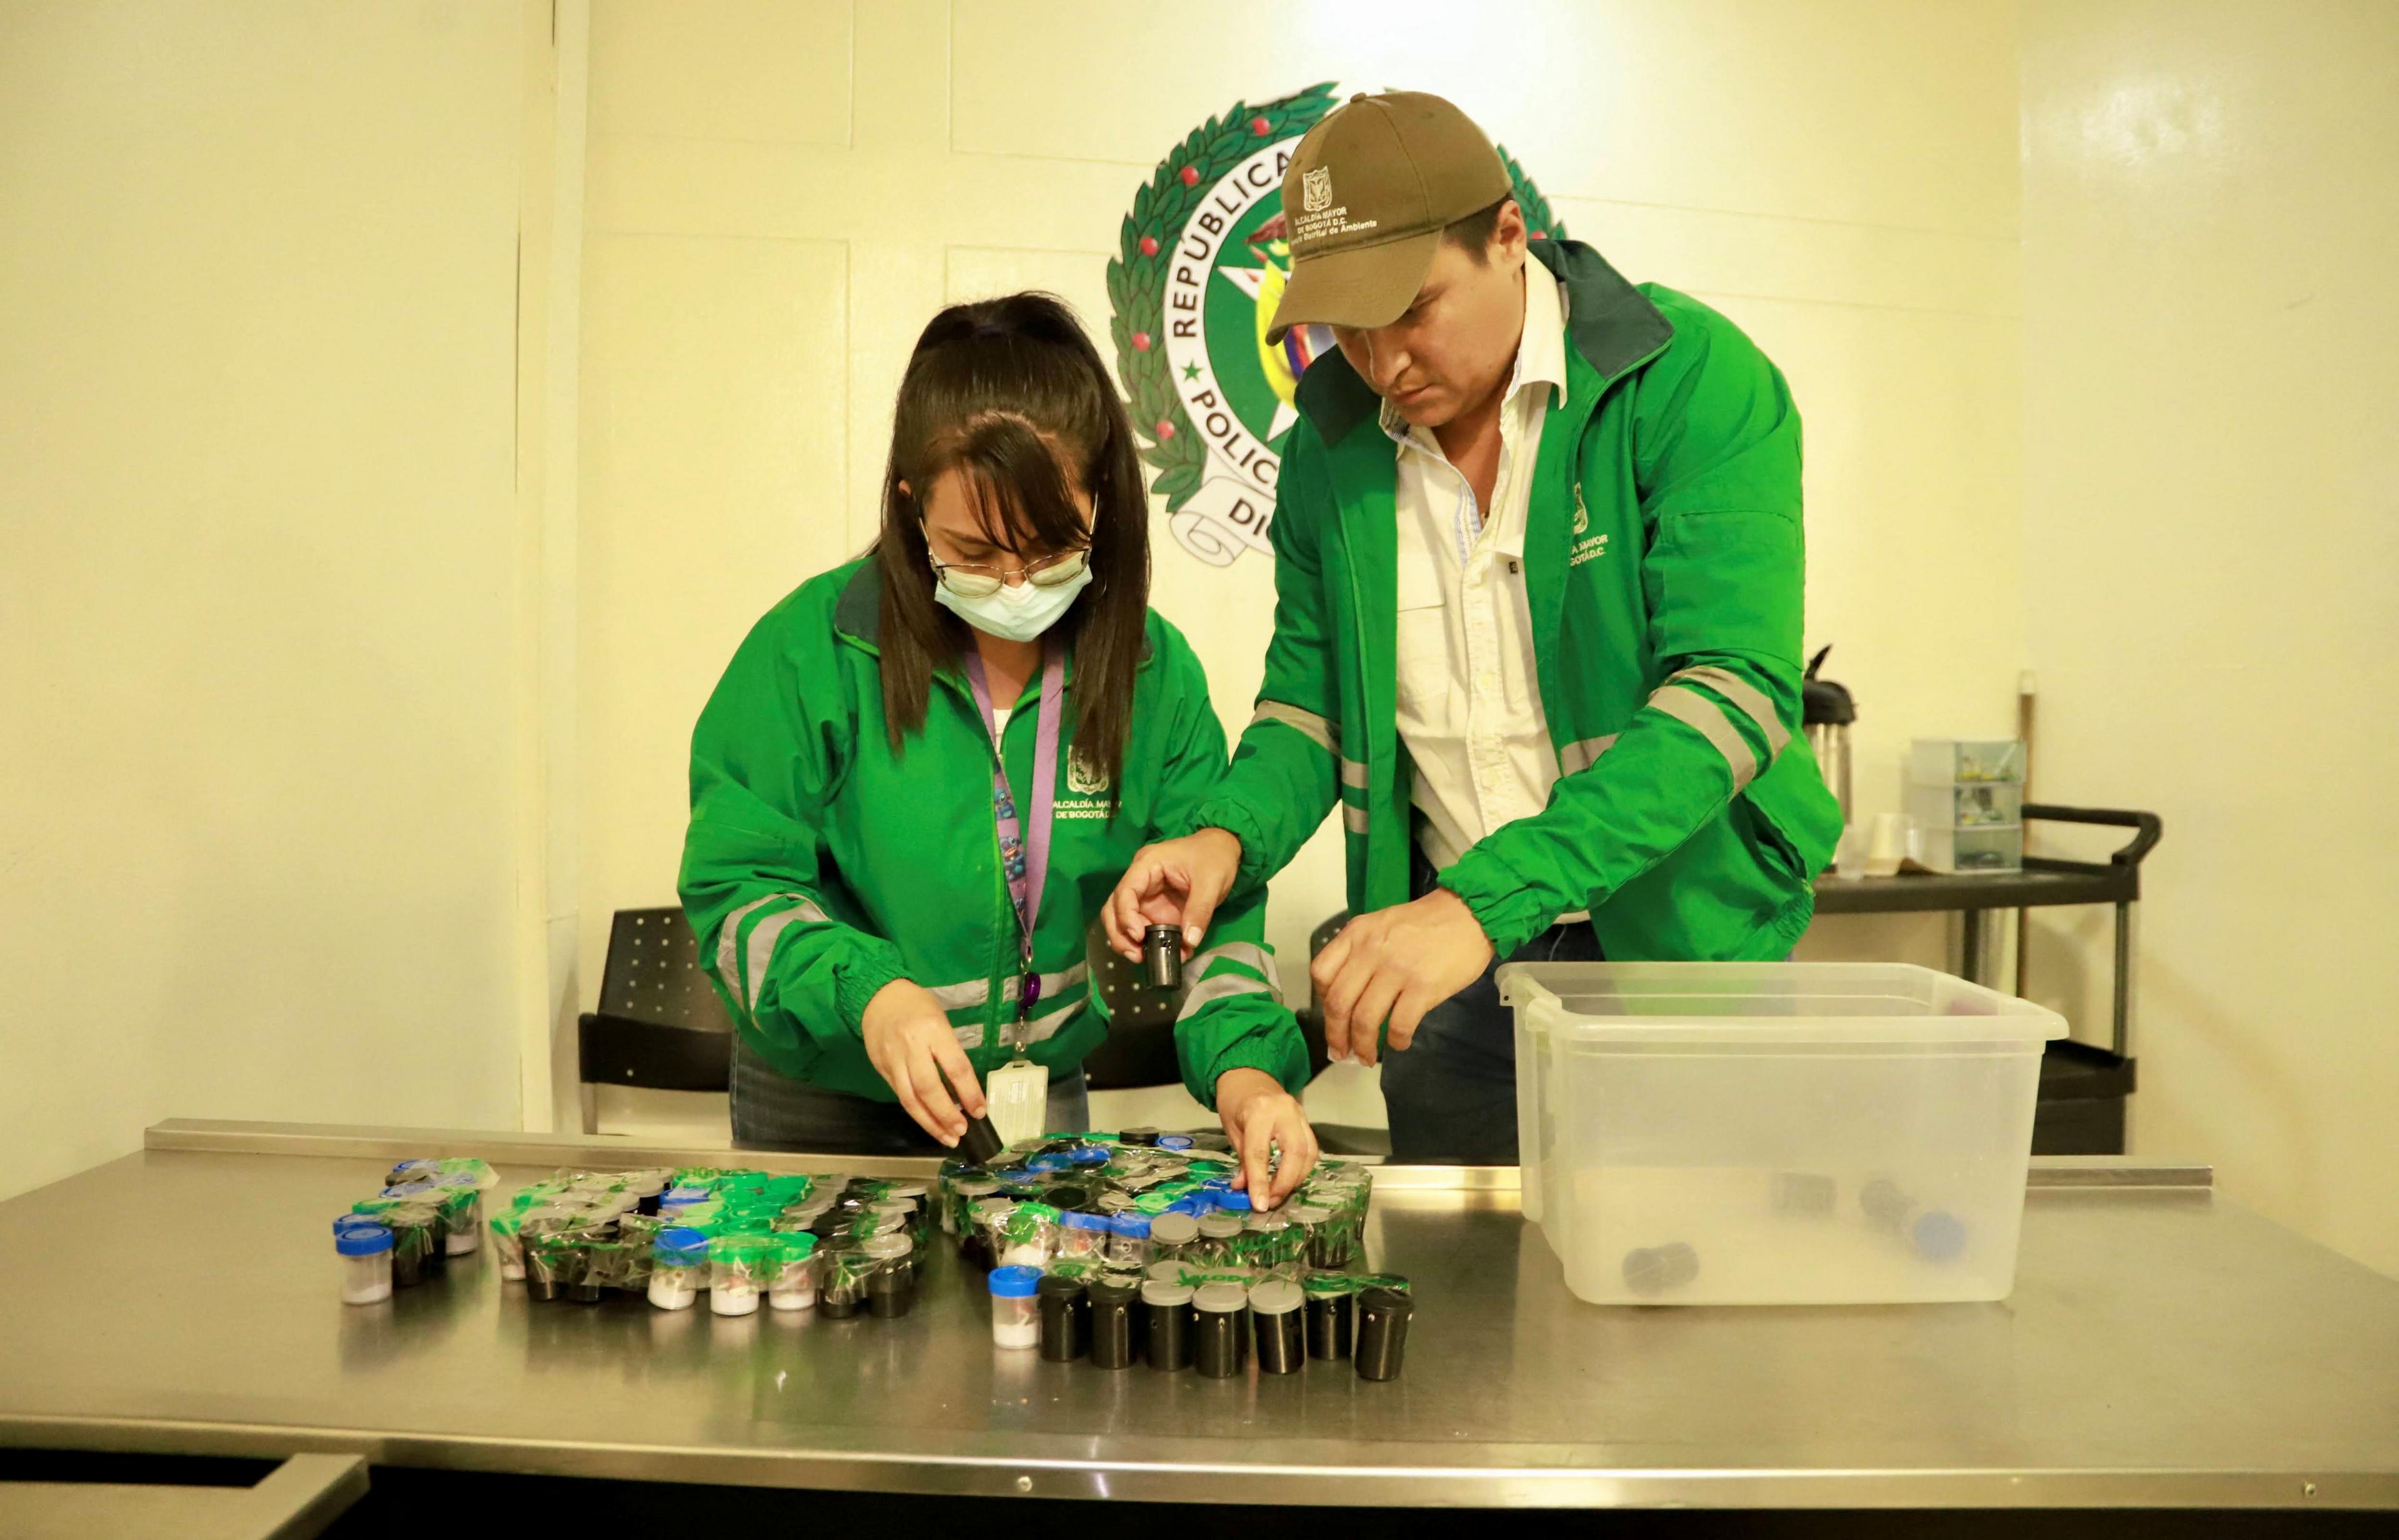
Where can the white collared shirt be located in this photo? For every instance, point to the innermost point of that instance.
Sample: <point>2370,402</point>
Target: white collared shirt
<point>1470,702</point>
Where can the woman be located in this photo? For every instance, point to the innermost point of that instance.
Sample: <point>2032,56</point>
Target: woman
<point>888,919</point>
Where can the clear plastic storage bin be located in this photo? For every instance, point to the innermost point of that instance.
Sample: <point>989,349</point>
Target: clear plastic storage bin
<point>1774,1133</point>
<point>1970,850</point>
<point>1966,804</point>
<point>1935,759</point>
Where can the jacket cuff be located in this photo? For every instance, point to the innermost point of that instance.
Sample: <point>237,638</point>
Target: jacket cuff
<point>1230,816</point>
<point>855,985</point>
<point>1509,913</point>
<point>1252,1051</point>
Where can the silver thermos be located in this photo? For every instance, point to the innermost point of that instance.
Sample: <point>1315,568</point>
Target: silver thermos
<point>1828,711</point>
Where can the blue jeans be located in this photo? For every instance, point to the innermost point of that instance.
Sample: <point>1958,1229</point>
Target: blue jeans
<point>1452,1090</point>
<point>771,1111</point>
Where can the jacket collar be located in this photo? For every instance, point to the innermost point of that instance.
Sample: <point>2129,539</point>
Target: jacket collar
<point>1609,323</point>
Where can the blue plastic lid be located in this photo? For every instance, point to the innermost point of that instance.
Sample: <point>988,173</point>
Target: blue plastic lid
<point>1134,1224</point>
<point>361,1240</point>
<point>1047,1161</point>
<point>407,1189</point>
<point>1940,1235</point>
<point>1238,1203</point>
<point>1075,1219</point>
<point>681,1240</point>
<point>1015,1283</point>
<point>357,1221</point>
<point>685,1195</point>
<point>1088,1155</point>
<point>1174,1141</point>
<point>1187,1203</point>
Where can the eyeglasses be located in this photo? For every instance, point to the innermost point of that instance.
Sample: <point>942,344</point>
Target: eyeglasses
<point>972,580</point>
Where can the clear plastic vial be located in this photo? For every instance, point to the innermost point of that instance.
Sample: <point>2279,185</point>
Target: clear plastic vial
<point>1083,1237</point>
<point>1015,1317</point>
<point>1172,1236</point>
<point>1129,1240</point>
<point>737,1268</point>
<point>677,1261</point>
<point>791,1273</point>
<point>365,1250</point>
<point>1219,1240</point>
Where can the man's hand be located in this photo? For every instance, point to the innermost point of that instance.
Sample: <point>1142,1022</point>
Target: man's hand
<point>1395,963</point>
<point>1258,1113</point>
<point>911,1046</point>
<point>1173,882</point>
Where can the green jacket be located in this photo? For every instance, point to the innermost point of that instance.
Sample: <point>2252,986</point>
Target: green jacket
<point>1663,562</point>
<point>819,867</point>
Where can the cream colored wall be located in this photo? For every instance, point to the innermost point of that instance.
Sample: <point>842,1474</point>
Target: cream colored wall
<point>2212,558</point>
<point>780,195</point>
<point>259,814</point>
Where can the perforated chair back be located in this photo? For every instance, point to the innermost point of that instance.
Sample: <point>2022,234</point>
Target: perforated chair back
<point>1139,1049</point>
<point>659,1024</point>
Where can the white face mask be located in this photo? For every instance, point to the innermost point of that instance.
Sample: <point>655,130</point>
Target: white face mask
<point>1017,614</point>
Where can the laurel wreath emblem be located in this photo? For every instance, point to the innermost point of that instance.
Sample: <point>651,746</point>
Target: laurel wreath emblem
<point>1145,242</point>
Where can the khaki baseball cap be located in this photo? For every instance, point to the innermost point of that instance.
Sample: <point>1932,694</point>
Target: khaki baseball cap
<point>1365,199</point>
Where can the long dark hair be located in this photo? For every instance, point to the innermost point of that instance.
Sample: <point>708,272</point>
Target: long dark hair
<point>1001,391</point>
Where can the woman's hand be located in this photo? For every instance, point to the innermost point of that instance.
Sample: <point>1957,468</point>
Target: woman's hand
<point>1173,882</point>
<point>1258,1115</point>
<point>911,1044</point>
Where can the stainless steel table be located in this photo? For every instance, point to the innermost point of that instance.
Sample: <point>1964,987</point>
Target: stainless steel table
<point>2164,1348</point>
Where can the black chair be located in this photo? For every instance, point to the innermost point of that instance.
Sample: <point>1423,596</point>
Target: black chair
<point>1139,1049</point>
<point>659,1025</point>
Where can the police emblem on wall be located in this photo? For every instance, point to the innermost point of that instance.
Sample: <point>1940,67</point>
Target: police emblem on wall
<point>1200,264</point>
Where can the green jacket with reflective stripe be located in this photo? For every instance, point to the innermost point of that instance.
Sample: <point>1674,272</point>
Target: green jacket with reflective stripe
<point>819,866</point>
<point>1663,562</point>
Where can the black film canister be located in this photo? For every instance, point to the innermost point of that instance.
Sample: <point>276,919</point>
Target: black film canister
<point>980,1142</point>
<point>1654,1269</point>
<point>1169,1327</point>
<point>1275,1308</point>
<point>1804,1193</point>
<point>1144,1137</point>
<point>891,1290</point>
<point>1115,1325</point>
<point>1161,958</point>
<point>1884,1203</point>
<point>1383,1332</point>
<point>1219,1335</point>
<point>1330,1319</point>
<point>1065,1319</point>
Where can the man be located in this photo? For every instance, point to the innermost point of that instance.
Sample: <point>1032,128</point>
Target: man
<point>1538,581</point>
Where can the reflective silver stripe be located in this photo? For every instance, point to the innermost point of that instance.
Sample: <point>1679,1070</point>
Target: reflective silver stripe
<point>969,1038</point>
<point>1248,953</point>
<point>1053,984</point>
<point>1353,818</point>
<point>975,992</point>
<point>728,940</point>
<point>1042,1028</point>
<point>1317,730</point>
<point>1583,755</point>
<point>1749,700</point>
<point>1698,711</point>
<point>1353,773</point>
<point>1222,986</point>
<point>763,936</point>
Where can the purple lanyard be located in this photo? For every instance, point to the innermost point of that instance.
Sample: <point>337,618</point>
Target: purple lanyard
<point>1025,890</point>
